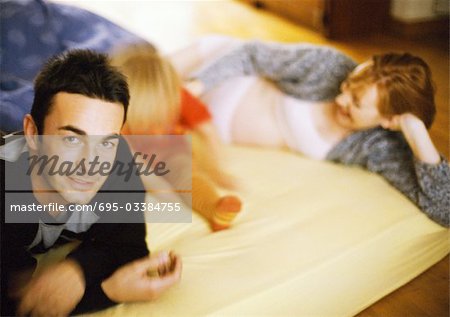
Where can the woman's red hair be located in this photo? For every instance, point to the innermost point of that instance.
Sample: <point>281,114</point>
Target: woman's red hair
<point>403,82</point>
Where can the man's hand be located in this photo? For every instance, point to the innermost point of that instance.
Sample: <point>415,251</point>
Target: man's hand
<point>53,292</point>
<point>416,135</point>
<point>144,279</point>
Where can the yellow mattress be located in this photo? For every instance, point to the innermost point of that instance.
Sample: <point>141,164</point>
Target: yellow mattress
<point>313,239</point>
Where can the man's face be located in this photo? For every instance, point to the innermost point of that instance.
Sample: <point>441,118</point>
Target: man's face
<point>80,130</point>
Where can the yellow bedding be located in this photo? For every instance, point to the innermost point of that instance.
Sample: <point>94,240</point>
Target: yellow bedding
<point>313,239</point>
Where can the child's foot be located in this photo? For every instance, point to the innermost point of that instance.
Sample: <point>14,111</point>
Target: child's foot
<point>226,210</point>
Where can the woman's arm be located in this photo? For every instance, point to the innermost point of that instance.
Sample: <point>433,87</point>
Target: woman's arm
<point>426,184</point>
<point>305,71</point>
<point>416,135</point>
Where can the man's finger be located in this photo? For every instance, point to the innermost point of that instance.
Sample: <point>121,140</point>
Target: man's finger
<point>160,284</point>
<point>151,263</point>
<point>174,259</point>
<point>155,286</point>
<point>168,266</point>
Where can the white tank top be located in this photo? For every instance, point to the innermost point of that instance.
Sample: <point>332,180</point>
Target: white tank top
<point>307,127</point>
<point>249,110</point>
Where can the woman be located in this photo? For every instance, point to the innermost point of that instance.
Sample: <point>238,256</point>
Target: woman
<point>375,115</point>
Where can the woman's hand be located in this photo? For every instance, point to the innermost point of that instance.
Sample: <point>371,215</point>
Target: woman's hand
<point>392,123</point>
<point>403,122</point>
<point>144,279</point>
<point>416,135</point>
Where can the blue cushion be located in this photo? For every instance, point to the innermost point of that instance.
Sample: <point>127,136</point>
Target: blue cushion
<point>34,30</point>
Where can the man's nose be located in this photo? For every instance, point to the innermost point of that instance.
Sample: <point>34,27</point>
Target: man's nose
<point>88,154</point>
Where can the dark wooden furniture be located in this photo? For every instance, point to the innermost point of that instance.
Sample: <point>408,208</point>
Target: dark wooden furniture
<point>335,19</point>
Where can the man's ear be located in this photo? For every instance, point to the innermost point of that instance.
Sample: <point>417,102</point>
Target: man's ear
<point>31,132</point>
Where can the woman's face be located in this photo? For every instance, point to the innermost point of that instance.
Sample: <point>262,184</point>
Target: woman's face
<point>358,111</point>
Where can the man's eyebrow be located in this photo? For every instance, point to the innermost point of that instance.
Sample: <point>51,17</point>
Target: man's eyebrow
<point>81,132</point>
<point>111,137</point>
<point>73,129</point>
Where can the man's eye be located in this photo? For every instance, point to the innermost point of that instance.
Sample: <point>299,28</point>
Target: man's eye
<point>71,140</point>
<point>108,144</point>
<point>355,102</point>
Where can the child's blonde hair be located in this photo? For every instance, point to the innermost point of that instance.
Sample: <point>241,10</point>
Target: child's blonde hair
<point>154,89</point>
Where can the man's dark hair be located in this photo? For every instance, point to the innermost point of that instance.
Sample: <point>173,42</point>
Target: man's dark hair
<point>83,72</point>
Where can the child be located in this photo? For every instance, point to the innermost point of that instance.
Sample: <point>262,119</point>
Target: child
<point>160,106</point>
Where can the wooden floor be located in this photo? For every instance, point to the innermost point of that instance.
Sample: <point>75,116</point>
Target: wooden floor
<point>427,295</point>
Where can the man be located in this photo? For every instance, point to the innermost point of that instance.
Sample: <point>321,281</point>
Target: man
<point>79,107</point>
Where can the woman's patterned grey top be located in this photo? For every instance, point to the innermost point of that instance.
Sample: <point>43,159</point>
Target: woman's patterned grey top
<point>387,153</point>
<point>315,73</point>
<point>304,71</point>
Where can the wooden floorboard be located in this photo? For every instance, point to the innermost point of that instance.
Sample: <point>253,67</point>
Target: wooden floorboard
<point>426,295</point>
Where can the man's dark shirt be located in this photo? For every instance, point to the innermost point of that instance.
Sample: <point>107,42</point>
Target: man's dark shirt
<point>104,246</point>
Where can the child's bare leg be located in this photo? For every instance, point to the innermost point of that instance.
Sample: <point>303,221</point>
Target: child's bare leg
<point>212,161</point>
<point>220,210</point>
